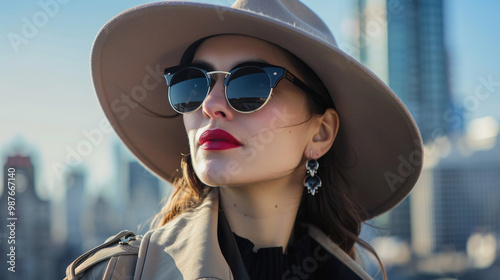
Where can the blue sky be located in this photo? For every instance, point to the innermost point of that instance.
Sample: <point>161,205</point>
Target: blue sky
<point>48,98</point>
<point>473,51</point>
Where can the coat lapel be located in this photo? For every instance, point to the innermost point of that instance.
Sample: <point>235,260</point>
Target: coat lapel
<point>185,248</point>
<point>348,268</point>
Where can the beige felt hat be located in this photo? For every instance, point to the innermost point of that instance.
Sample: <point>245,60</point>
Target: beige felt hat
<point>379,142</point>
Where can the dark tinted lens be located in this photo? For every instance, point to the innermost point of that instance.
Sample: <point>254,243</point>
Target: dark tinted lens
<point>188,89</point>
<point>248,88</point>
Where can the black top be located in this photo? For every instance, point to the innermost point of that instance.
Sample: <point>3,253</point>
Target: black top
<point>304,258</point>
<point>271,263</point>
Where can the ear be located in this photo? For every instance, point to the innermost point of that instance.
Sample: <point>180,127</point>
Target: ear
<point>323,135</point>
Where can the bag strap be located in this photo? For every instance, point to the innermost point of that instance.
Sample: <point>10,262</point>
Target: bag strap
<point>127,244</point>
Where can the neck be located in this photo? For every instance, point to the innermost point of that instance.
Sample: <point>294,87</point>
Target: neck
<point>264,213</point>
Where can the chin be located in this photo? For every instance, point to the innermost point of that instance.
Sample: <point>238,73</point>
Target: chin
<point>215,178</point>
<point>217,172</point>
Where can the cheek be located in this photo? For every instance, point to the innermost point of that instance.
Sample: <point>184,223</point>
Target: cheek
<point>280,144</point>
<point>189,122</point>
<point>191,125</point>
<point>287,143</point>
<point>282,124</point>
<point>272,154</point>
<point>192,122</point>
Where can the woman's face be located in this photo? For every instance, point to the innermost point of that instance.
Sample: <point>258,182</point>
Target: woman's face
<point>272,141</point>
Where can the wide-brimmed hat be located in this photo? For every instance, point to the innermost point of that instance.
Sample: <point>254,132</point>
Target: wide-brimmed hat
<point>379,143</point>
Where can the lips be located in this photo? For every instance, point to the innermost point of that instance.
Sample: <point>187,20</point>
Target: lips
<point>218,139</point>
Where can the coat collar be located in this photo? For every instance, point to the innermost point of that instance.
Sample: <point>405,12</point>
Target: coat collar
<point>187,247</point>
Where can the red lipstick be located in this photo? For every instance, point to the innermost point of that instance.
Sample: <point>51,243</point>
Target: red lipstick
<point>218,139</point>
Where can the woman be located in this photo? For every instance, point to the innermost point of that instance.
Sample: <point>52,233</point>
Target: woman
<point>285,143</point>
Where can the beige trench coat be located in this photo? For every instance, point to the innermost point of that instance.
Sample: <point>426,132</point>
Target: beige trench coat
<point>187,248</point>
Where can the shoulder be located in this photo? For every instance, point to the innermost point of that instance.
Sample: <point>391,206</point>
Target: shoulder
<point>171,247</point>
<point>116,267</point>
<point>115,257</point>
<point>96,271</point>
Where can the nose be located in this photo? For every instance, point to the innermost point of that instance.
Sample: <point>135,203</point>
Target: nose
<point>215,106</point>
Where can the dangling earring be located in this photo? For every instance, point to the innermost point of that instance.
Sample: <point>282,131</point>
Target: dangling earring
<point>312,182</point>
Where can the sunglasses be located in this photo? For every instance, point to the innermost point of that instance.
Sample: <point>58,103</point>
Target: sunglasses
<point>248,87</point>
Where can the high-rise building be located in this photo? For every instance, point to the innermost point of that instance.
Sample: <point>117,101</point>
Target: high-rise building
<point>400,222</point>
<point>370,37</point>
<point>25,240</point>
<point>144,196</point>
<point>467,196</point>
<point>138,193</point>
<point>418,67</point>
<point>74,205</point>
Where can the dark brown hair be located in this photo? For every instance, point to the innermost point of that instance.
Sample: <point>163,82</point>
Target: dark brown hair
<point>335,209</point>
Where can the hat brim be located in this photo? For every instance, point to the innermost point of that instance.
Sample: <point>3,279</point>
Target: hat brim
<point>378,139</point>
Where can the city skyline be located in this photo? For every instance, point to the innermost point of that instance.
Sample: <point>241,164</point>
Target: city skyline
<point>88,177</point>
<point>46,236</point>
<point>51,104</point>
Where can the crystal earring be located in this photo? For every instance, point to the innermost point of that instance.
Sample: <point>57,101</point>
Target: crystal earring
<point>312,182</point>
